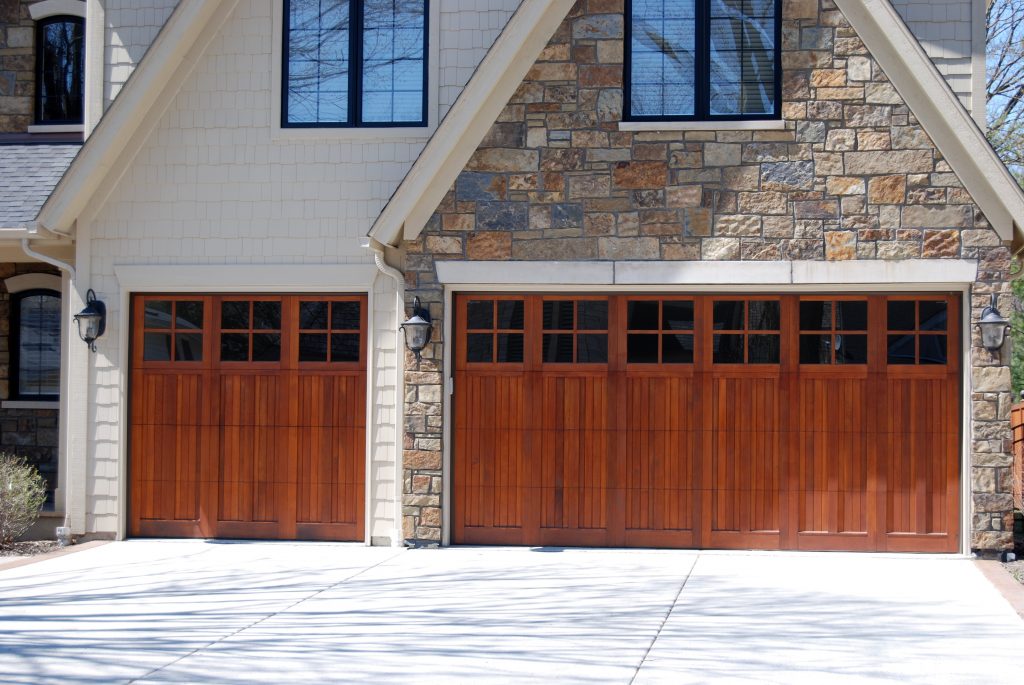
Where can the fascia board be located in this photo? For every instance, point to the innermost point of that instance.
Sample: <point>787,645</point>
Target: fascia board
<point>940,112</point>
<point>98,157</point>
<point>477,107</point>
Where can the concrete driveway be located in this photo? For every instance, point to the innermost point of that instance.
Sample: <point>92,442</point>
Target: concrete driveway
<point>214,612</point>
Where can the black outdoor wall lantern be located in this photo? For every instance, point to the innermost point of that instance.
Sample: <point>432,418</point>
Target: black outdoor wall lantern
<point>417,329</point>
<point>993,327</point>
<point>92,320</point>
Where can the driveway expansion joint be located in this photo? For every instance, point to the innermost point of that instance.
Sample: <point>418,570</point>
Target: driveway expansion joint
<point>664,619</point>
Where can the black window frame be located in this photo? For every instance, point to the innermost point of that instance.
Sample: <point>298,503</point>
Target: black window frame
<point>355,73</point>
<point>37,114</point>
<point>14,344</point>
<point>702,101</point>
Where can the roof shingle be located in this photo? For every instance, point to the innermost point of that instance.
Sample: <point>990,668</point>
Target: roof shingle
<point>28,174</point>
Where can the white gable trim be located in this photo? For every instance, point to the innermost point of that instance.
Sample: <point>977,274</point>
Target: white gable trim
<point>483,98</point>
<point>171,57</point>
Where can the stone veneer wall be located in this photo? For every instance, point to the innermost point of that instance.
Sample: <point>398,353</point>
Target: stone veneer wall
<point>32,433</point>
<point>17,66</point>
<point>852,176</point>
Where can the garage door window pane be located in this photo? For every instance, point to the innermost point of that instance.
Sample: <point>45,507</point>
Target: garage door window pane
<point>763,349</point>
<point>815,316</point>
<point>312,347</point>
<point>480,315</point>
<point>592,349</point>
<point>642,315</point>
<point>234,315</point>
<point>901,349</point>
<point>764,315</point>
<point>677,349</point>
<point>592,316</point>
<point>313,316</point>
<point>558,348</point>
<point>851,349</point>
<point>510,315</point>
<point>344,347</point>
<point>816,349</point>
<point>677,316</point>
<point>157,347</point>
<point>188,347</point>
<point>852,315</point>
<point>932,316</point>
<point>189,314</point>
<point>642,349</point>
<point>558,315</point>
<point>728,349</point>
<point>266,347</point>
<point>901,315</point>
<point>346,316</point>
<point>266,316</point>
<point>158,314</point>
<point>480,348</point>
<point>728,315</point>
<point>234,347</point>
<point>933,349</point>
<point>510,348</point>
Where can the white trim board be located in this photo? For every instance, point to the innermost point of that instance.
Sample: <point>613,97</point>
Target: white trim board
<point>247,277</point>
<point>909,272</point>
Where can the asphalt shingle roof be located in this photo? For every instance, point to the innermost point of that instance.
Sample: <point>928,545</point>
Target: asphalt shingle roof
<point>28,174</point>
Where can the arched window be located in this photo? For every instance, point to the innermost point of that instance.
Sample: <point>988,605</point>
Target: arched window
<point>35,345</point>
<point>60,70</point>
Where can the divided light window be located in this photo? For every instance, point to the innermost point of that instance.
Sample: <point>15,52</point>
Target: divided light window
<point>695,60</point>
<point>354,63</point>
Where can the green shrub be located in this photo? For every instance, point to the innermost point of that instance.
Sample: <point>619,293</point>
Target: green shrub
<point>22,493</point>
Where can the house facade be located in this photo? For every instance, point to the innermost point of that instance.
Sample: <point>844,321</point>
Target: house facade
<point>699,273</point>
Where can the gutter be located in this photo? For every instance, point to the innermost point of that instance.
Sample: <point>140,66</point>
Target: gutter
<point>26,247</point>
<point>377,248</point>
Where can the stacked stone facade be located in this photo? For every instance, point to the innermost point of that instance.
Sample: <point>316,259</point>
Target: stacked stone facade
<point>17,66</point>
<point>851,176</point>
<point>29,432</point>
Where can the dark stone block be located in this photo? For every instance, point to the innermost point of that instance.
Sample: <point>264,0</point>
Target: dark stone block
<point>501,216</point>
<point>566,215</point>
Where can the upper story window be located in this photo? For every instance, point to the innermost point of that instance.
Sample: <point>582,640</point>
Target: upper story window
<point>354,63</point>
<point>35,344</point>
<point>60,70</point>
<point>703,60</point>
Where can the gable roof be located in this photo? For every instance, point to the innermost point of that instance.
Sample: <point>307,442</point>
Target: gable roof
<point>126,124</point>
<point>879,26</point>
<point>28,174</point>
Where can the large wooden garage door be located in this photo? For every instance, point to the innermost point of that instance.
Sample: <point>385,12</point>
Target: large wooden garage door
<point>248,416</point>
<point>719,421</point>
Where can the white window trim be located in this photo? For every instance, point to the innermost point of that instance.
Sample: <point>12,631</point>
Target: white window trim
<point>56,8</point>
<point>280,133</point>
<point>34,281</point>
<point>245,277</point>
<point>747,125</point>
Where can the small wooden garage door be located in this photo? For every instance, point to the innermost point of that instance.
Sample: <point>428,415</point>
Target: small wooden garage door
<point>826,422</point>
<point>248,416</point>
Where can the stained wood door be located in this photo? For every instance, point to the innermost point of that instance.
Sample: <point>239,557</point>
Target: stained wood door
<point>724,421</point>
<point>248,416</point>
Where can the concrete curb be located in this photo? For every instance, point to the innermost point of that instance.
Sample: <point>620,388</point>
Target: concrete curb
<point>1004,582</point>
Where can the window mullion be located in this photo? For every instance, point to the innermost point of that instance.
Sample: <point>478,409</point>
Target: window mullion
<point>355,61</point>
<point>702,106</point>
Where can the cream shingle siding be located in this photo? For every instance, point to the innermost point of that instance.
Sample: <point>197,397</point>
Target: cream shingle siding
<point>946,31</point>
<point>211,186</point>
<point>131,26</point>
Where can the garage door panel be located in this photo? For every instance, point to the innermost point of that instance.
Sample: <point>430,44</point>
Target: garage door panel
<point>245,441</point>
<point>733,421</point>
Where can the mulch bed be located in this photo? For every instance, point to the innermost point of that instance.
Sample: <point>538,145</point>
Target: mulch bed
<point>29,548</point>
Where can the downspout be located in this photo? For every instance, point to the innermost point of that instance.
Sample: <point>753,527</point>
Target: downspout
<point>374,246</point>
